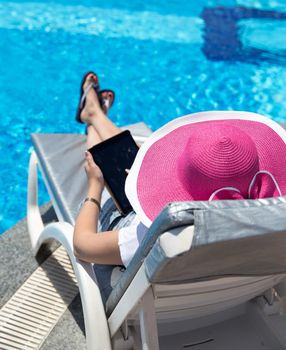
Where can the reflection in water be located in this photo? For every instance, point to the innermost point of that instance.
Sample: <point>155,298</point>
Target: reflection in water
<point>222,40</point>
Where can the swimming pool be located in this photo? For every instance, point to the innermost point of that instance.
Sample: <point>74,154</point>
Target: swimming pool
<point>163,59</point>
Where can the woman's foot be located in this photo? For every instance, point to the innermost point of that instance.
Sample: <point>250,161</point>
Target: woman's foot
<point>91,106</point>
<point>106,99</point>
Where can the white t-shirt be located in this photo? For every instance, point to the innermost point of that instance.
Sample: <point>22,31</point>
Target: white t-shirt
<point>129,239</point>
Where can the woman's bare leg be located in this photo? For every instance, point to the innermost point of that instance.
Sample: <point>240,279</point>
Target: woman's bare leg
<point>93,137</point>
<point>92,114</point>
<point>104,126</point>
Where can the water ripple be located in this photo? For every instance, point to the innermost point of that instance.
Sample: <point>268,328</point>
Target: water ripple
<point>113,23</point>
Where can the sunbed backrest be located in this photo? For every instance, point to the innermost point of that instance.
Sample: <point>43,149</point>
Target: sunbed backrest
<point>230,238</point>
<point>246,241</point>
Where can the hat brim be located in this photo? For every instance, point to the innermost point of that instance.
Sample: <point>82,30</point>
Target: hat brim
<point>152,181</point>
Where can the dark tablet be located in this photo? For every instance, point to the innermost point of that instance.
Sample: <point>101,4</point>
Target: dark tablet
<point>113,156</point>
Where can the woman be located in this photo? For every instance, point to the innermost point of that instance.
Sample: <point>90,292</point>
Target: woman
<point>205,156</point>
<point>88,246</point>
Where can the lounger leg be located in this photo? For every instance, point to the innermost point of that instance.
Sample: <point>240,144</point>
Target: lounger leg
<point>148,324</point>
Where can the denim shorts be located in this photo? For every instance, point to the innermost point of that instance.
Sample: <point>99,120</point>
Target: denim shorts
<point>110,218</point>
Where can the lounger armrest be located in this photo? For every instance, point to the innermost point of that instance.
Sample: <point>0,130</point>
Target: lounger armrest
<point>62,232</point>
<point>93,308</point>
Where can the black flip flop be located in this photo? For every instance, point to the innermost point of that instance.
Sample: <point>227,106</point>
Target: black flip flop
<point>83,94</point>
<point>106,102</point>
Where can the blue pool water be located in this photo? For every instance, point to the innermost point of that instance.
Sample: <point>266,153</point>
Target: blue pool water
<point>163,59</point>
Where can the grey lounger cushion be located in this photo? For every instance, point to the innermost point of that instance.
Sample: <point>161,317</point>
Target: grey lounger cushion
<point>61,158</point>
<point>231,238</point>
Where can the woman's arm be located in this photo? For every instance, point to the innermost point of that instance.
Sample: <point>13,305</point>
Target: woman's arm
<point>88,245</point>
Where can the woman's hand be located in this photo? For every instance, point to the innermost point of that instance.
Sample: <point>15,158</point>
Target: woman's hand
<point>93,172</point>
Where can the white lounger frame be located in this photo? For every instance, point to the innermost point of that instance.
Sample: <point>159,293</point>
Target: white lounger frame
<point>138,298</point>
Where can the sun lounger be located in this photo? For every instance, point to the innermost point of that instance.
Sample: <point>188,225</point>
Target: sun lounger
<point>207,274</point>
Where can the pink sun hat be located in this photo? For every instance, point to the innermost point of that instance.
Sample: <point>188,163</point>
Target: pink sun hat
<point>208,156</point>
